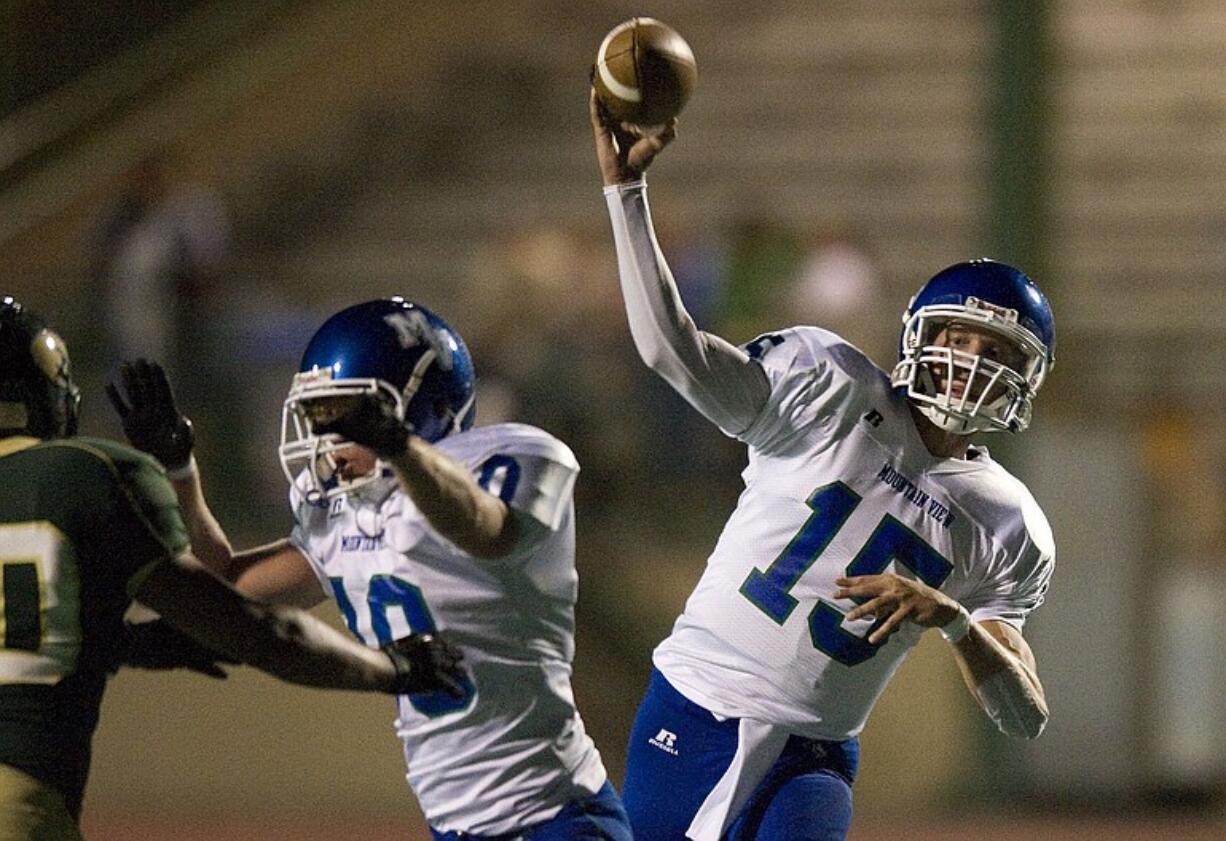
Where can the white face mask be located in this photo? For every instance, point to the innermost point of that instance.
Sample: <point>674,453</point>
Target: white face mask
<point>962,391</point>
<point>308,457</point>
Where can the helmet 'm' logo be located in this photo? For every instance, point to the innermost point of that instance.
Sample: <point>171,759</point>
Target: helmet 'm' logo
<point>1007,313</point>
<point>413,328</point>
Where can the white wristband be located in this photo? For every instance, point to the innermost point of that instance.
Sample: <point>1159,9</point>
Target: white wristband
<point>626,186</point>
<point>956,629</point>
<point>185,472</point>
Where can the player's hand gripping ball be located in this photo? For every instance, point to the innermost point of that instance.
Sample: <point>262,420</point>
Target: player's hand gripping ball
<point>644,72</point>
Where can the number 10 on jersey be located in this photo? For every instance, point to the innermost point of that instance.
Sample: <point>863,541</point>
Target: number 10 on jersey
<point>890,541</point>
<point>385,592</point>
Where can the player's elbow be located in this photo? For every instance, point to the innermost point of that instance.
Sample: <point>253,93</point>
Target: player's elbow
<point>1018,708</point>
<point>1038,720</point>
<point>494,531</point>
<point>489,548</point>
<point>1028,726</point>
<point>1037,731</point>
<point>668,347</point>
<point>1023,719</point>
<point>666,363</point>
<point>653,356</point>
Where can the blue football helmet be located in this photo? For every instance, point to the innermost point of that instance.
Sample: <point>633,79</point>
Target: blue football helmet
<point>37,392</point>
<point>961,391</point>
<point>393,349</point>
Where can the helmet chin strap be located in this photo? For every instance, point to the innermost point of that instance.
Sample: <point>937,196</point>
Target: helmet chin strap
<point>419,374</point>
<point>367,501</point>
<point>946,421</point>
<point>72,411</point>
<point>950,421</point>
<point>367,517</point>
<point>457,418</point>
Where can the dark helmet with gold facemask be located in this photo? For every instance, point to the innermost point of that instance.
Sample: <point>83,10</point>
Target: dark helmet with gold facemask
<point>37,394</point>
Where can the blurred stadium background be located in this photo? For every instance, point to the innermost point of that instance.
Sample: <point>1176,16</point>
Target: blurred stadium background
<point>208,180</point>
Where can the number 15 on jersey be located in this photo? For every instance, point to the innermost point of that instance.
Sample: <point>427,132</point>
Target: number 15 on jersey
<point>890,541</point>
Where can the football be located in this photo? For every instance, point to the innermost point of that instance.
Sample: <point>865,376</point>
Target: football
<point>644,72</point>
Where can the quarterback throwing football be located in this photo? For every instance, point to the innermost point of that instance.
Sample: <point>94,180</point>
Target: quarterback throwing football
<point>867,517</point>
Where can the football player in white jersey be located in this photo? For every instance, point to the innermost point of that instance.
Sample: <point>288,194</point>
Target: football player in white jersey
<point>412,520</point>
<point>867,517</point>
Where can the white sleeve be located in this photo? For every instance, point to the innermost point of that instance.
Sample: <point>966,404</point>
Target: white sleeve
<point>536,485</point>
<point>300,539</point>
<point>715,377</point>
<point>538,488</point>
<point>1018,581</point>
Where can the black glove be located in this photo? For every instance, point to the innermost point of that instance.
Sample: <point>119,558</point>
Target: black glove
<point>427,663</point>
<point>151,420</point>
<point>159,645</point>
<point>372,422</point>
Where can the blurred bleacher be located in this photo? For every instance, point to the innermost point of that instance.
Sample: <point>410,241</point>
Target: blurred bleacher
<point>441,151</point>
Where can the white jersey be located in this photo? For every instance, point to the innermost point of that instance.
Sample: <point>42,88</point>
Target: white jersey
<point>513,751</point>
<point>839,482</point>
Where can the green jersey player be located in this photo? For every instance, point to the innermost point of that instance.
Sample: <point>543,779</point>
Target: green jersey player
<point>86,527</point>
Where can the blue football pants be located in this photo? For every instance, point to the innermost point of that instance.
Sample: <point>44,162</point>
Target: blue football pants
<point>678,752</point>
<point>599,817</point>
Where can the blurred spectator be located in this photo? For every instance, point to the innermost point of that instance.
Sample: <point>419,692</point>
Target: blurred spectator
<point>763,258</point>
<point>1183,467</point>
<point>836,286</point>
<point>1183,471</point>
<point>158,266</point>
<point>157,259</point>
<point>549,324</point>
<point>701,269</point>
